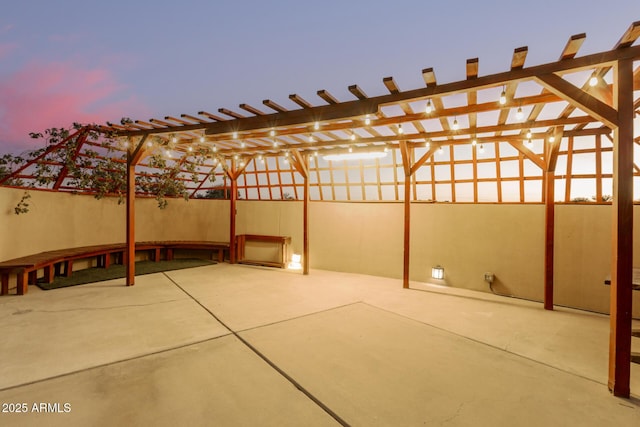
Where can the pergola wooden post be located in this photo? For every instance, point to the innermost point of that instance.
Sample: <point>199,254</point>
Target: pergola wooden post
<point>551,150</point>
<point>233,173</point>
<point>233,210</point>
<point>622,224</point>
<point>301,164</point>
<point>406,159</point>
<point>134,155</point>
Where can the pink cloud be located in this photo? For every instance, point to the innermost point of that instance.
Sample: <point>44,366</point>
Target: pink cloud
<point>40,96</point>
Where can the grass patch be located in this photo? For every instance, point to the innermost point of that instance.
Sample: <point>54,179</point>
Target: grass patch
<point>92,275</point>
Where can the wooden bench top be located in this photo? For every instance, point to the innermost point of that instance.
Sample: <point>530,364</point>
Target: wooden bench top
<point>30,261</point>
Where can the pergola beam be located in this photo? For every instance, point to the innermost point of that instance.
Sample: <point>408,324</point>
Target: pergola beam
<point>359,108</point>
<point>579,98</point>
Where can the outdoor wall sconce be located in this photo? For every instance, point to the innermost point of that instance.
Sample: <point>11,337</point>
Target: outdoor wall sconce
<point>437,272</point>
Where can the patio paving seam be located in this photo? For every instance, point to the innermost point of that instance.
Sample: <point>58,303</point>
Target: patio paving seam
<point>275,367</point>
<point>128,359</point>
<point>485,343</point>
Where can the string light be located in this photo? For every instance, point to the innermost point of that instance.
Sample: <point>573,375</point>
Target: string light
<point>310,138</point>
<point>272,132</point>
<point>214,148</point>
<point>386,149</point>
<point>235,135</point>
<point>202,139</point>
<point>593,81</point>
<point>455,126</point>
<point>242,144</point>
<point>316,125</point>
<point>503,97</point>
<point>351,149</point>
<point>529,143</point>
<point>367,119</point>
<point>529,134</point>
<point>400,130</point>
<point>174,139</point>
<point>429,108</point>
<point>482,148</point>
<point>552,138</point>
<point>190,149</point>
<point>440,150</point>
<point>474,142</point>
<point>519,113</point>
<point>427,144</point>
<point>149,143</point>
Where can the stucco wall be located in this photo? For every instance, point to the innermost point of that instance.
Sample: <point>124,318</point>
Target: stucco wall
<point>60,220</point>
<point>357,237</point>
<point>467,240</point>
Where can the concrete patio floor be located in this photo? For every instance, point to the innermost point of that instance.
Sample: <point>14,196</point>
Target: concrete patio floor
<point>229,345</point>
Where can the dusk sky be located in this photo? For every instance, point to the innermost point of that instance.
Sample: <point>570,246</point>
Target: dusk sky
<point>88,61</point>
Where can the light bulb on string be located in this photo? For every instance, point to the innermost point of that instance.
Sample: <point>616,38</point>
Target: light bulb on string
<point>367,119</point>
<point>519,113</point>
<point>482,148</point>
<point>429,108</point>
<point>455,125</point>
<point>593,81</point>
<point>503,97</point>
<point>529,134</point>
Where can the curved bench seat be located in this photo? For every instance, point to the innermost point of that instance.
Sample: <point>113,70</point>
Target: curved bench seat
<point>60,262</point>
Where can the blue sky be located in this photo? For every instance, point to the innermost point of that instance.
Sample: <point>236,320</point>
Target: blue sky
<point>87,61</point>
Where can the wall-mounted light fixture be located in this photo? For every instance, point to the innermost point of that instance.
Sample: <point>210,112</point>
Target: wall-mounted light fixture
<point>437,272</point>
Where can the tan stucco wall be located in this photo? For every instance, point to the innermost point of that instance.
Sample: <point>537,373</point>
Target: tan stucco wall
<point>583,256</point>
<point>357,237</point>
<point>61,220</point>
<point>467,240</point>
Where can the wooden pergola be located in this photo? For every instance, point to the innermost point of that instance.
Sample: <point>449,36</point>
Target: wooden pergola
<point>552,105</point>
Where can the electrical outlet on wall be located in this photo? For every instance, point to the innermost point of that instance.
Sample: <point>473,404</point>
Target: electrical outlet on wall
<point>489,277</point>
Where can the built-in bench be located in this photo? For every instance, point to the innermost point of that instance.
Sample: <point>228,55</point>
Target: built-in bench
<point>282,242</point>
<point>60,262</point>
